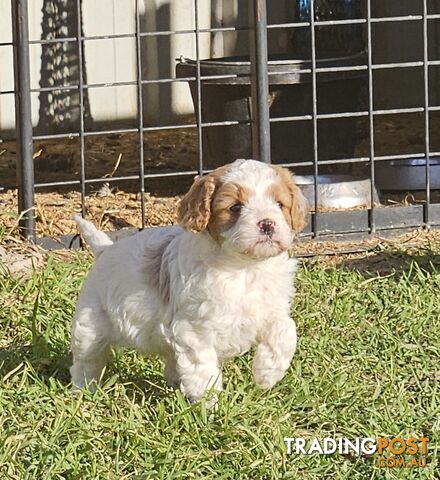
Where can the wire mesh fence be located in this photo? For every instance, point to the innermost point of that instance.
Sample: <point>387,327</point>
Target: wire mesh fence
<point>344,93</point>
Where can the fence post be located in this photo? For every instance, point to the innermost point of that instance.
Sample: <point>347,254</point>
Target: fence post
<point>23,118</point>
<point>259,80</point>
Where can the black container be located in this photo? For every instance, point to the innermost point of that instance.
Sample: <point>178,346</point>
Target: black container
<point>226,99</point>
<point>330,40</point>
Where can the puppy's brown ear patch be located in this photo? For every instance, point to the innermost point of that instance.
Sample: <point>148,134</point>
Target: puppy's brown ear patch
<point>296,207</point>
<point>195,207</point>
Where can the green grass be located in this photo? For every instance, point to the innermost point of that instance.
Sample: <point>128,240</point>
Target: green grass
<point>367,365</point>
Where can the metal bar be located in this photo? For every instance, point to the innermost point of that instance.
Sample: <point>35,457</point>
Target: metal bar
<point>381,158</point>
<point>48,41</point>
<point>351,21</point>
<point>259,80</point>
<point>315,217</point>
<point>384,66</point>
<point>172,127</point>
<point>134,130</point>
<point>81,110</point>
<point>401,18</point>
<point>371,216</point>
<point>195,172</point>
<point>128,83</point>
<point>60,88</point>
<point>341,115</point>
<point>356,68</point>
<point>329,23</point>
<point>23,119</point>
<point>294,118</point>
<point>140,112</point>
<point>190,79</point>
<point>117,36</point>
<point>238,28</point>
<point>186,32</point>
<point>273,26</point>
<point>393,111</point>
<point>198,91</point>
<point>426,211</point>
<point>117,179</point>
<point>398,157</point>
<point>353,68</point>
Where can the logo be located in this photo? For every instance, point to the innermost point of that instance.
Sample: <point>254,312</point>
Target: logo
<point>387,452</point>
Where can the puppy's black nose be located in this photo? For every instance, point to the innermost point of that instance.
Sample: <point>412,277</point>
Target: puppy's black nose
<point>267,226</point>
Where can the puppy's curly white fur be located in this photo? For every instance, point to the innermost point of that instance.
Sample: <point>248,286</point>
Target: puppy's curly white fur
<point>199,293</point>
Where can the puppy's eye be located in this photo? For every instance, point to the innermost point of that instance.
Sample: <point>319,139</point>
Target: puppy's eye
<point>236,208</point>
<point>280,204</point>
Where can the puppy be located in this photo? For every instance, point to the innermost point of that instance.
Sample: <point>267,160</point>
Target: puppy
<point>202,292</point>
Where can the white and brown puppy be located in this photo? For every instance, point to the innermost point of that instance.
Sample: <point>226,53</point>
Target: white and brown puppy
<point>201,293</point>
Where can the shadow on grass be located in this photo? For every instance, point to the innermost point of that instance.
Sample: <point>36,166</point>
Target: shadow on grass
<point>139,385</point>
<point>54,361</point>
<point>47,361</point>
<point>393,263</point>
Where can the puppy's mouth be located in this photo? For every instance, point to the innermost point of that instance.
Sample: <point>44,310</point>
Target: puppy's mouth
<point>266,247</point>
<point>272,238</point>
<point>266,240</point>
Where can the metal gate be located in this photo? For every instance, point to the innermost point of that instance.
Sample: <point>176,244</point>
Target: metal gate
<point>270,79</point>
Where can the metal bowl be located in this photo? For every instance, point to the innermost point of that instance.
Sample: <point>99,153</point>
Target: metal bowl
<point>337,191</point>
<point>408,174</point>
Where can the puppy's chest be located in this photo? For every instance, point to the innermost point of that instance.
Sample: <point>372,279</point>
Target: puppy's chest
<point>237,306</point>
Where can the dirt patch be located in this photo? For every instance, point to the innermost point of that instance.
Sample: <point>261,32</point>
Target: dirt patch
<point>59,160</point>
<point>376,255</point>
<point>110,212</point>
<point>19,259</point>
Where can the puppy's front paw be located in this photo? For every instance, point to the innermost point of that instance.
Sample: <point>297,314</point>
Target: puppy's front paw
<point>211,399</point>
<point>267,378</point>
<point>196,388</point>
<point>266,368</point>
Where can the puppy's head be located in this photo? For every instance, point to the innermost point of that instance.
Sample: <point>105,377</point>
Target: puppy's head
<point>248,207</point>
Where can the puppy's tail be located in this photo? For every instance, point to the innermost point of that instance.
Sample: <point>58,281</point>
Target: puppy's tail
<point>96,239</point>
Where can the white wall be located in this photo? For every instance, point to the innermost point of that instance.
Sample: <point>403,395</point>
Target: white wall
<point>7,114</point>
<point>6,72</point>
<point>111,60</point>
<point>115,60</point>
<point>163,102</point>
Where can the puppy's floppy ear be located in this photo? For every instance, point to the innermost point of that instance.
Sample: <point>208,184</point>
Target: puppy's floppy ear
<point>195,208</point>
<point>298,204</point>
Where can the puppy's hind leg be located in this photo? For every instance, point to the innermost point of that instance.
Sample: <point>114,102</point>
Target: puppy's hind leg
<point>90,347</point>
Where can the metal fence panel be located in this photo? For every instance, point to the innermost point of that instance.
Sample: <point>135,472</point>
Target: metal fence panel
<point>261,120</point>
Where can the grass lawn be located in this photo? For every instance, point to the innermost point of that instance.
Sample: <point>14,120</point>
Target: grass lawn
<point>367,365</point>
